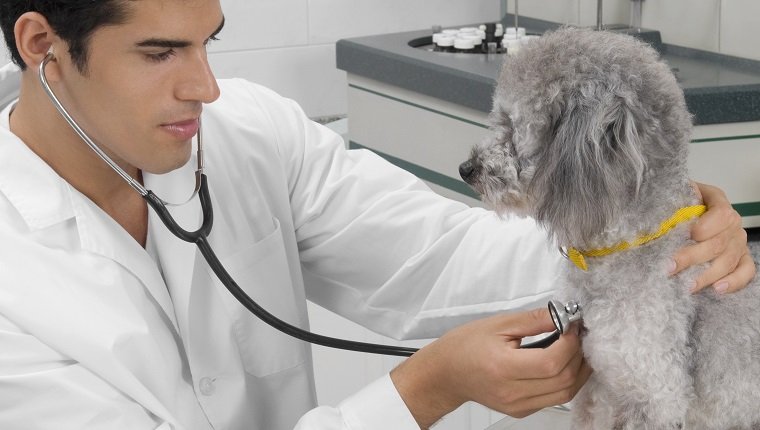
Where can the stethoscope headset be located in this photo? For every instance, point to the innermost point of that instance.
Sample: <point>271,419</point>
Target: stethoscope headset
<point>561,315</point>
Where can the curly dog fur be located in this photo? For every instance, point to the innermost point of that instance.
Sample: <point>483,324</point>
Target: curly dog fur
<point>590,137</point>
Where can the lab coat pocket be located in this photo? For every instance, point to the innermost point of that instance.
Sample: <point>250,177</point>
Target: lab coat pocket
<point>261,270</point>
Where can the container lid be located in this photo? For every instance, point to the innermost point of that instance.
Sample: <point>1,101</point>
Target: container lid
<point>461,43</point>
<point>446,41</point>
<point>512,45</point>
<point>450,31</point>
<point>468,30</point>
<point>437,36</point>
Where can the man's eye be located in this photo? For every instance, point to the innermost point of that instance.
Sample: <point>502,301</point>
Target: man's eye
<point>211,39</point>
<point>161,56</point>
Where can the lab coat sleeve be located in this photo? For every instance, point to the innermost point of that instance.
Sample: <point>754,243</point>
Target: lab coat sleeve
<point>380,248</point>
<point>43,389</point>
<point>375,407</point>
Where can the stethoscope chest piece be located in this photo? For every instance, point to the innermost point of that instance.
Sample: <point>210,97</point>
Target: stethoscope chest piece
<point>564,315</point>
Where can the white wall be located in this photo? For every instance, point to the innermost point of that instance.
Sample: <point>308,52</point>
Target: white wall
<point>730,27</point>
<point>4,55</point>
<point>289,45</point>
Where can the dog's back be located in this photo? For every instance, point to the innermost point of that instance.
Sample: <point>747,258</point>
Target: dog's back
<point>726,344</point>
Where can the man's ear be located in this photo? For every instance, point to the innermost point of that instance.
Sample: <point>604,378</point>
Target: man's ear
<point>34,38</point>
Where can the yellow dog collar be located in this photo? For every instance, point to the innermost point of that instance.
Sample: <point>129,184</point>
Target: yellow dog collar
<point>578,257</point>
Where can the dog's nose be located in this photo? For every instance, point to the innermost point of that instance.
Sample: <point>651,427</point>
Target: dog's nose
<point>466,170</point>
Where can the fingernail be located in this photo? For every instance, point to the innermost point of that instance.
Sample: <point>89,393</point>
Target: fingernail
<point>721,287</point>
<point>671,265</point>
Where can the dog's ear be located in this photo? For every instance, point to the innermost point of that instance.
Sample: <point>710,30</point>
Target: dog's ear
<point>591,166</point>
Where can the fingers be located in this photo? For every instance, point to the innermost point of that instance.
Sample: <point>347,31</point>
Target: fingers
<point>528,406</point>
<point>697,191</point>
<point>534,364</point>
<point>722,242</point>
<point>546,377</point>
<point>717,231</point>
<point>724,263</point>
<point>739,278</point>
<point>723,251</point>
<point>530,323</point>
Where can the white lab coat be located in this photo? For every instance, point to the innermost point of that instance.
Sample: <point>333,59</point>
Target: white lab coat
<point>95,335</point>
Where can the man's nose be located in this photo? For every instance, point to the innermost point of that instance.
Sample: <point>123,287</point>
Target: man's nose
<point>199,83</point>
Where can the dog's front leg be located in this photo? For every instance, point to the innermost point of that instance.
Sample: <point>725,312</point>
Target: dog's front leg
<point>591,407</point>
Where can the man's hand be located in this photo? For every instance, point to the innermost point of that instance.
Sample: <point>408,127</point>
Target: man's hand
<point>481,362</point>
<point>722,241</point>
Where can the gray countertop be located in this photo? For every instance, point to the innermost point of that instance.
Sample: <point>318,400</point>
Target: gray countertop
<point>718,88</point>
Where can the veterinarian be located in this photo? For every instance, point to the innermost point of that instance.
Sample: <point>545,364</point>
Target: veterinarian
<point>108,321</point>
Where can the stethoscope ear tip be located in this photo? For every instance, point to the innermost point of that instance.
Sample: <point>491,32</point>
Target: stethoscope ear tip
<point>49,56</point>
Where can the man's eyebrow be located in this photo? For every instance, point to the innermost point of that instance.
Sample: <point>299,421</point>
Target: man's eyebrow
<point>174,43</point>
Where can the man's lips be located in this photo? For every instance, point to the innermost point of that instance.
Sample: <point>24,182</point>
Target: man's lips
<point>182,130</point>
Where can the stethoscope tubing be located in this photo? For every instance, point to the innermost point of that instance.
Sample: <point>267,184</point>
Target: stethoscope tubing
<point>200,238</point>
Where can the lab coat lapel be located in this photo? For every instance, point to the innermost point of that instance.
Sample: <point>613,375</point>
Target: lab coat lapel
<point>177,257</point>
<point>100,234</point>
<point>80,330</point>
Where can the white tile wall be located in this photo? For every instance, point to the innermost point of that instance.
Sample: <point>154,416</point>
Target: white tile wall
<point>5,57</point>
<point>740,28</point>
<point>562,11</point>
<point>304,73</point>
<point>576,12</point>
<point>263,24</point>
<point>330,20</point>
<point>613,11</point>
<point>695,24</point>
<point>288,45</point>
<point>730,27</point>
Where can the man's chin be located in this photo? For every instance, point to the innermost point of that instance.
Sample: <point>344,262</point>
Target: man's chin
<point>168,166</point>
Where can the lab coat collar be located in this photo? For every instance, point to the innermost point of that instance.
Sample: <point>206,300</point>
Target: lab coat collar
<point>36,300</point>
<point>10,84</point>
<point>43,199</point>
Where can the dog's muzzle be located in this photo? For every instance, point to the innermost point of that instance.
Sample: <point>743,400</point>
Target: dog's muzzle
<point>467,171</point>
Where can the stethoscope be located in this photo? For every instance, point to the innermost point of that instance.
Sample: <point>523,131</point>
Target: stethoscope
<point>560,314</point>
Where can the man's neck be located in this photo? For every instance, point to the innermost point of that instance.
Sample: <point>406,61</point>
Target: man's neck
<point>63,150</point>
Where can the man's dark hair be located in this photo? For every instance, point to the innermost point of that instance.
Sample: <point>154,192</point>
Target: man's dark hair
<point>74,21</point>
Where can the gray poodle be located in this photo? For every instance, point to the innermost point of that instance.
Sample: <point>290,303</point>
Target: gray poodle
<point>590,138</point>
